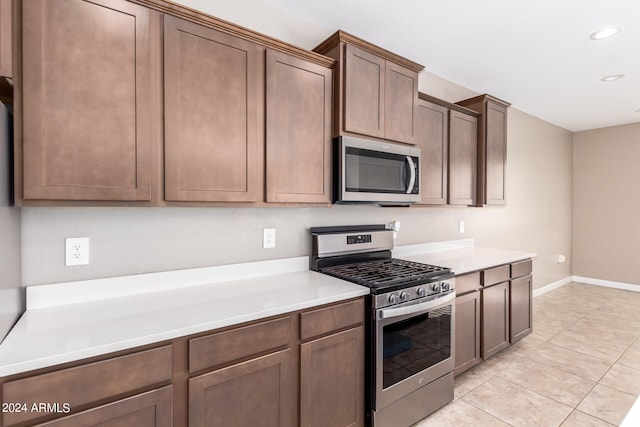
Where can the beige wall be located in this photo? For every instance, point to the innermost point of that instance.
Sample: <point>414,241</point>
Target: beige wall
<point>537,216</point>
<point>606,207</point>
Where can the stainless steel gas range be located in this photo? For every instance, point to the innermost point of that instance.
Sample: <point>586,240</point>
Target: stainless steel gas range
<point>410,318</point>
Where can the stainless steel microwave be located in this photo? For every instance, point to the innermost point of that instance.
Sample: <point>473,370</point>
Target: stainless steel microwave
<point>370,171</point>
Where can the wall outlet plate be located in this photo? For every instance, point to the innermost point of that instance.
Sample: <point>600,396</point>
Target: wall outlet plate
<point>77,251</point>
<point>269,238</point>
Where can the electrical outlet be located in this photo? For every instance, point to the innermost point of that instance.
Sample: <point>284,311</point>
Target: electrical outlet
<point>461,226</point>
<point>77,251</point>
<point>561,259</point>
<point>269,238</point>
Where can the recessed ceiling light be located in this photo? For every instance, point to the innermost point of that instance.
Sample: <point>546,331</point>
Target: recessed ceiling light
<point>612,77</point>
<point>605,33</point>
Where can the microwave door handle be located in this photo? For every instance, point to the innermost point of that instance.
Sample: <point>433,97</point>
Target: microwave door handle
<point>412,176</point>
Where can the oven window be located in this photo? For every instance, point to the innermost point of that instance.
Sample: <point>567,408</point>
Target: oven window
<point>415,344</point>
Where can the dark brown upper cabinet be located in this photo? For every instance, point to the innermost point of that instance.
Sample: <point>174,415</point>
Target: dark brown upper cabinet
<point>89,110</point>
<point>492,148</point>
<point>432,137</point>
<point>376,91</point>
<point>120,104</point>
<point>6,38</point>
<point>463,130</point>
<point>298,129</point>
<point>213,142</point>
<point>445,133</point>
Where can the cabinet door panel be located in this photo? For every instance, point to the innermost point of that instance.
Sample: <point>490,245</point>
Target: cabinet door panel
<point>253,393</point>
<point>298,130</point>
<point>463,139</point>
<point>88,102</point>
<point>432,137</point>
<point>364,88</point>
<point>467,331</point>
<point>401,98</point>
<point>211,115</point>
<point>5,39</point>
<point>521,308</point>
<point>496,154</point>
<point>495,319</point>
<point>332,380</point>
<point>151,409</point>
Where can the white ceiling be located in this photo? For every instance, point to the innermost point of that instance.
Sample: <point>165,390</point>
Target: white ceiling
<point>536,54</point>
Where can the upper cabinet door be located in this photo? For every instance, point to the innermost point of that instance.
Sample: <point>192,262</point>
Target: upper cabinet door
<point>5,39</point>
<point>298,130</point>
<point>496,153</point>
<point>364,92</point>
<point>432,137</point>
<point>401,98</point>
<point>88,99</point>
<point>212,120</point>
<point>463,137</point>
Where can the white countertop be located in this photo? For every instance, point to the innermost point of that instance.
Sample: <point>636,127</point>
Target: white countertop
<point>461,256</point>
<point>65,332</point>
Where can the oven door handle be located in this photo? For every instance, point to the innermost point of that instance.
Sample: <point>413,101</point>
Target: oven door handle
<point>389,313</point>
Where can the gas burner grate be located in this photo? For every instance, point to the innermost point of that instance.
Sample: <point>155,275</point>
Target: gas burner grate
<point>384,272</point>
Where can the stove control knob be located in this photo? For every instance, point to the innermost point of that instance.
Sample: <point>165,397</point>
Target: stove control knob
<point>435,287</point>
<point>421,292</point>
<point>445,287</point>
<point>404,296</point>
<point>393,299</point>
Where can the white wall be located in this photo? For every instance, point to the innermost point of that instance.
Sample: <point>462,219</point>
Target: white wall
<point>537,216</point>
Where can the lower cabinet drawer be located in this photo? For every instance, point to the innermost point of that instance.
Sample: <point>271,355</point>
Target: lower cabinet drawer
<point>495,275</point>
<point>214,350</point>
<point>325,320</point>
<point>151,409</point>
<point>467,283</point>
<point>522,268</point>
<point>85,384</point>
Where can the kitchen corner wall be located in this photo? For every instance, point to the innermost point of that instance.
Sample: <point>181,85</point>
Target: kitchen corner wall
<point>606,204</point>
<point>537,216</point>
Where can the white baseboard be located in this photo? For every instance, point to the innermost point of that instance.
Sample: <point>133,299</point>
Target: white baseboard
<point>552,286</point>
<point>588,281</point>
<point>607,283</point>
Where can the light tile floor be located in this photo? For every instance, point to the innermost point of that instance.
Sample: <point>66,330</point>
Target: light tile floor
<point>579,367</point>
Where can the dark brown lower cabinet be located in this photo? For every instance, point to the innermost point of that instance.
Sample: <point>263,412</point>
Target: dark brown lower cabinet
<point>301,368</point>
<point>87,385</point>
<point>521,308</point>
<point>332,380</point>
<point>467,331</point>
<point>151,409</point>
<point>252,393</point>
<point>495,319</point>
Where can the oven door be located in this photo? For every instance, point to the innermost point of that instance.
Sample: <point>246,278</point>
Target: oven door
<point>380,172</point>
<point>413,346</point>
